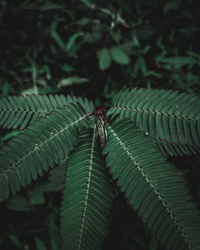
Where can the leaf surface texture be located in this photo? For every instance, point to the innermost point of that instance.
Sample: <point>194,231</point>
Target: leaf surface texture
<point>38,148</point>
<point>171,118</point>
<point>19,111</point>
<point>152,186</point>
<point>87,199</point>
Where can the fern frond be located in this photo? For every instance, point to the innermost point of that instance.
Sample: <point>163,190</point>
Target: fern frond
<point>174,149</point>
<point>19,111</point>
<point>40,146</point>
<point>169,117</point>
<point>87,197</point>
<point>152,186</point>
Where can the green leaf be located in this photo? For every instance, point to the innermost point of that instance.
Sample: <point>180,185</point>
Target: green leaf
<point>20,111</point>
<point>104,59</point>
<point>152,186</point>
<point>178,61</point>
<point>87,197</point>
<point>83,21</point>
<point>30,91</point>
<point>53,233</point>
<point>56,36</point>
<point>36,197</point>
<point>70,81</point>
<point>18,203</point>
<point>51,6</point>
<point>39,147</point>
<point>72,40</point>
<point>39,244</point>
<point>9,135</point>
<point>119,56</point>
<point>86,2</point>
<point>171,118</point>
<point>14,239</point>
<point>171,5</point>
<point>142,65</point>
<point>6,88</point>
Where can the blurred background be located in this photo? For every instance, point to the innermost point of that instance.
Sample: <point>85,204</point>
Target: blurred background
<point>92,49</point>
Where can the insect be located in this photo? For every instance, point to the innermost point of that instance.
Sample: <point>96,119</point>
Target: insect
<point>100,122</point>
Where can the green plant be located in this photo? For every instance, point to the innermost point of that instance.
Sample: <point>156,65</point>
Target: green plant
<point>56,47</point>
<point>135,134</point>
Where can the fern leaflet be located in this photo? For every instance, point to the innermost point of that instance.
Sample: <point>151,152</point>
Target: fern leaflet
<point>40,146</point>
<point>152,186</point>
<point>169,117</point>
<point>87,197</point>
<point>19,111</point>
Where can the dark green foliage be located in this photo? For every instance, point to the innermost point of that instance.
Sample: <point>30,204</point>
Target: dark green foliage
<point>87,196</point>
<point>152,186</point>
<point>94,49</point>
<point>19,111</point>
<point>148,43</point>
<point>171,118</point>
<point>37,148</point>
<point>138,123</point>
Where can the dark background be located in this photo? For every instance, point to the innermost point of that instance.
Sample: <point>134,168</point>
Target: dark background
<point>92,49</point>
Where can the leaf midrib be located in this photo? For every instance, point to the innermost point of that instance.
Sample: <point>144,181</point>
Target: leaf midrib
<point>181,117</point>
<point>87,190</point>
<point>171,216</point>
<point>37,147</point>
